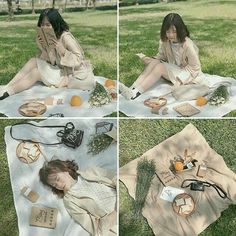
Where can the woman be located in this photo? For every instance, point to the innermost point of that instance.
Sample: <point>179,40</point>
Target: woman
<point>176,61</point>
<point>89,197</point>
<point>61,65</point>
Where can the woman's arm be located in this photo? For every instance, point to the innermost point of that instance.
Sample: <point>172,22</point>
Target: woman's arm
<point>161,53</point>
<point>160,56</point>
<point>84,219</point>
<point>42,51</point>
<point>84,212</point>
<point>100,175</point>
<point>70,51</point>
<point>192,59</point>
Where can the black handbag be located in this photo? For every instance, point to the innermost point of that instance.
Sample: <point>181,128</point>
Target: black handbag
<point>70,136</point>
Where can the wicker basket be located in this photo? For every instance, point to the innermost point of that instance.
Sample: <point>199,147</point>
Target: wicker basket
<point>32,109</point>
<point>28,152</point>
<point>178,208</point>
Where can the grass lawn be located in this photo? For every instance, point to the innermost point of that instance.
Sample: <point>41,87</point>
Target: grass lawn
<point>138,136</point>
<point>8,219</point>
<point>95,31</point>
<point>212,25</point>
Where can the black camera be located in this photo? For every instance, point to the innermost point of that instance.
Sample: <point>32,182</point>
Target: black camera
<point>197,186</point>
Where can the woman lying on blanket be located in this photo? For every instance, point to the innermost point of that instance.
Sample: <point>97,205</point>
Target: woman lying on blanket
<point>89,197</point>
<point>176,61</point>
<point>61,64</point>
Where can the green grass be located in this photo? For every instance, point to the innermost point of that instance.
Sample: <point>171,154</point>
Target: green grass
<point>138,136</point>
<point>212,25</point>
<point>95,31</point>
<point>8,219</point>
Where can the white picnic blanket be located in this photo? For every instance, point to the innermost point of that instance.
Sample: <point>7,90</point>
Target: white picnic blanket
<point>10,105</point>
<point>22,174</point>
<point>136,108</point>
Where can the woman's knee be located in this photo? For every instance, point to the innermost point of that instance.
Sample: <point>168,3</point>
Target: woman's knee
<point>32,62</point>
<point>153,63</point>
<point>35,75</point>
<point>161,68</point>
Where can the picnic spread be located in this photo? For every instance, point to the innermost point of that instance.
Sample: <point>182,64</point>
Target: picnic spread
<point>29,146</point>
<point>43,101</point>
<point>190,100</point>
<point>190,188</point>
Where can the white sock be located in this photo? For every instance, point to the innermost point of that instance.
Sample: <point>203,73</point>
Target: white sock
<point>10,90</point>
<point>135,91</point>
<point>3,90</point>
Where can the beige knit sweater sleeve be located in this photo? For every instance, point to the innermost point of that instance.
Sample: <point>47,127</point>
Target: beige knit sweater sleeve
<point>192,59</point>
<point>74,54</point>
<point>161,55</point>
<point>86,220</point>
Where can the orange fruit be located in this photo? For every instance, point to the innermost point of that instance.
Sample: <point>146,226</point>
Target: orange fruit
<point>110,83</point>
<point>76,101</point>
<point>179,166</point>
<point>201,101</point>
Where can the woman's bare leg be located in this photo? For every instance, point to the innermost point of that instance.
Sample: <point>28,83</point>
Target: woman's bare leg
<point>25,82</point>
<point>152,73</point>
<point>30,65</point>
<point>145,73</point>
<point>151,78</point>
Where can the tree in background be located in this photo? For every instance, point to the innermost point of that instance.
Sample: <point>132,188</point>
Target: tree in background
<point>10,10</point>
<point>65,5</point>
<point>33,11</point>
<point>53,3</point>
<point>88,3</point>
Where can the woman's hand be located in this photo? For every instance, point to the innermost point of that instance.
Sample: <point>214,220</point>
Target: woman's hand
<point>179,80</point>
<point>147,60</point>
<point>64,82</point>
<point>59,47</point>
<point>40,40</point>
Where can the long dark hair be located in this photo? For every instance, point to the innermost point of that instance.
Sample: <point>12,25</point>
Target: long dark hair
<point>55,19</point>
<point>54,167</point>
<point>174,19</point>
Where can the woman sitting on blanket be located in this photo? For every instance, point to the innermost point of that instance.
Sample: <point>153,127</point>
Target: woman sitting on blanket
<point>62,64</point>
<point>89,197</point>
<point>176,61</point>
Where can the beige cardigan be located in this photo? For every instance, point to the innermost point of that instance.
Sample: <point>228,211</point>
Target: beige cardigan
<point>85,210</point>
<point>189,58</point>
<point>73,62</point>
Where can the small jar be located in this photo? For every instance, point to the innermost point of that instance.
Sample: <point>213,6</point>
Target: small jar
<point>29,194</point>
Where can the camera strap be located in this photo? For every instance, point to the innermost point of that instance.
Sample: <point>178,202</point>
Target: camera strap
<point>197,185</point>
<point>69,136</point>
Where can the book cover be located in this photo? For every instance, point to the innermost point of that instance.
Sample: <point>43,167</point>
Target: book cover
<point>47,35</point>
<point>43,217</point>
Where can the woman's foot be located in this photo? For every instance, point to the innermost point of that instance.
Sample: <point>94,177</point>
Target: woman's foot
<point>2,89</point>
<point>4,95</point>
<point>125,91</point>
<point>128,93</point>
<point>136,93</point>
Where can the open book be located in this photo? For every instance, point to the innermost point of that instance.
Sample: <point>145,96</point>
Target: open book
<point>43,217</point>
<point>47,35</point>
